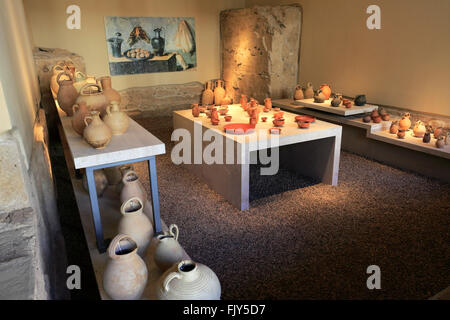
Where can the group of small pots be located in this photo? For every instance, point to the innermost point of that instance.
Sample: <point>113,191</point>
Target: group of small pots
<point>377,116</point>
<point>219,95</point>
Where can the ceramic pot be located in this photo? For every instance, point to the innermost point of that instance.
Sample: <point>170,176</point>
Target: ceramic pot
<point>264,119</point>
<point>114,175</point>
<point>123,171</point>
<point>319,97</point>
<point>253,121</point>
<point>401,134</point>
<point>96,133</point>
<point>207,95</point>
<point>56,70</point>
<point>426,137</point>
<point>360,100</point>
<point>158,43</point>
<point>215,122</point>
<point>126,274</point>
<point>116,120</point>
<point>298,95</point>
<point>136,224</point>
<point>337,100</point>
<point>219,92</point>
<point>132,188</point>
<point>80,80</point>
<point>227,118</point>
<point>374,113</point>
<point>214,114</point>
<point>303,124</point>
<point>385,117</point>
<point>419,129</point>
<point>382,111</point>
<point>95,99</point>
<point>326,90</point>
<point>189,280</point>
<point>168,251</point>
<point>405,123</point>
<point>278,122</point>
<point>438,132</point>
<point>268,103</point>
<point>80,111</point>
<point>108,91</point>
<point>440,143</point>
<point>243,100</point>
<point>67,94</point>
<point>367,119</point>
<point>101,182</point>
<point>309,91</point>
<point>195,110</point>
<point>394,127</point>
<point>377,119</point>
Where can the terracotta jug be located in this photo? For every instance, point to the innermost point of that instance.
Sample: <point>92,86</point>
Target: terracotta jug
<point>115,119</point>
<point>195,110</point>
<point>80,111</point>
<point>394,127</point>
<point>214,115</point>
<point>298,95</point>
<point>268,103</point>
<point>132,188</point>
<point>419,129</point>
<point>168,251</point>
<point>135,223</point>
<point>108,91</point>
<point>243,101</point>
<point>309,91</point>
<point>405,123</point>
<point>219,93</point>
<point>326,90</point>
<point>56,70</point>
<point>126,274</point>
<point>337,100</point>
<point>96,133</point>
<point>189,280</point>
<point>319,97</point>
<point>95,99</point>
<point>67,94</point>
<point>207,95</point>
<point>101,182</point>
<point>227,100</point>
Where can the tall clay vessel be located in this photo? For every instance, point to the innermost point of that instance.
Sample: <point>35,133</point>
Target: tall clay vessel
<point>132,187</point>
<point>207,95</point>
<point>115,119</point>
<point>136,224</point>
<point>126,274</point>
<point>189,280</point>
<point>219,93</point>
<point>96,133</point>
<point>168,251</point>
<point>56,70</point>
<point>67,94</point>
<point>309,91</point>
<point>80,111</point>
<point>298,95</point>
<point>108,91</point>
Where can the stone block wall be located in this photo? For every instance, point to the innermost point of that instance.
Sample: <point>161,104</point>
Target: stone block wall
<point>260,50</point>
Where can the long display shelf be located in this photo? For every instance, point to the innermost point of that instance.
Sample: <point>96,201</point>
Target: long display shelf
<point>342,111</point>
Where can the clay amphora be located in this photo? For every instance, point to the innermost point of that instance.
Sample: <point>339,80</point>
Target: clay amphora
<point>108,91</point>
<point>298,95</point>
<point>319,97</point>
<point>207,95</point>
<point>243,100</point>
<point>268,103</point>
<point>56,70</point>
<point>95,99</point>
<point>132,188</point>
<point>135,223</point>
<point>336,102</point>
<point>126,274</point>
<point>394,127</point>
<point>115,119</point>
<point>96,133</point>
<point>67,94</point>
<point>195,110</point>
<point>326,90</point>
<point>309,91</point>
<point>189,280</point>
<point>219,93</point>
<point>101,182</point>
<point>405,123</point>
<point>440,142</point>
<point>227,100</point>
<point>360,100</point>
<point>80,111</point>
<point>168,251</point>
<point>426,137</point>
<point>419,129</point>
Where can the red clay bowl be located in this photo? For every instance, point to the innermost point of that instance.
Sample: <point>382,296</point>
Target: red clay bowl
<point>278,122</point>
<point>264,119</point>
<point>305,118</point>
<point>227,118</point>
<point>303,124</point>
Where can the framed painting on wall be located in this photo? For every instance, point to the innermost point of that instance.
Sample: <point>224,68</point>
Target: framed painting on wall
<point>147,44</point>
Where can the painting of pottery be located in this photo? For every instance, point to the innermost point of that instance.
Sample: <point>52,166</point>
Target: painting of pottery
<point>148,44</point>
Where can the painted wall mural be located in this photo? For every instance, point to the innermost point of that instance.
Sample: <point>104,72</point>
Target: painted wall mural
<point>147,44</point>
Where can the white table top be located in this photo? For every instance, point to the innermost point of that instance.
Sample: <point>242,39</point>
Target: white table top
<point>290,132</point>
<point>136,143</point>
<point>341,110</point>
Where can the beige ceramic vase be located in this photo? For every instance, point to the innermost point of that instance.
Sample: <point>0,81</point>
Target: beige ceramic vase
<point>115,119</point>
<point>132,187</point>
<point>126,274</point>
<point>207,95</point>
<point>189,280</point>
<point>101,182</point>
<point>109,92</point>
<point>113,174</point>
<point>135,223</point>
<point>80,111</point>
<point>309,91</point>
<point>405,122</point>
<point>298,95</point>
<point>96,133</point>
<point>168,251</point>
<point>219,93</point>
<point>94,98</point>
<point>419,129</point>
<point>67,94</point>
<point>56,70</point>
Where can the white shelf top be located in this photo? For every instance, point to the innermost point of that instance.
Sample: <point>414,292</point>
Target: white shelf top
<point>342,110</point>
<point>290,132</point>
<point>136,143</point>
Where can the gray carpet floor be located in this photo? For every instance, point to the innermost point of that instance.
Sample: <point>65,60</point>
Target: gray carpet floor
<point>305,240</point>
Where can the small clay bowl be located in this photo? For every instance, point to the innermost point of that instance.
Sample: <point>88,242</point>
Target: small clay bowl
<point>227,118</point>
<point>303,124</point>
<point>376,119</point>
<point>275,130</point>
<point>385,117</point>
<point>278,122</point>
<point>264,119</point>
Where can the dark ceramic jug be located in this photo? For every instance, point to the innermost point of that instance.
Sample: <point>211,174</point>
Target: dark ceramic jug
<point>158,43</point>
<point>116,45</point>
<point>360,100</point>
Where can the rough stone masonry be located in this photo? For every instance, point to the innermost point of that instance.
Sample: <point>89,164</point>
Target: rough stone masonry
<point>260,50</point>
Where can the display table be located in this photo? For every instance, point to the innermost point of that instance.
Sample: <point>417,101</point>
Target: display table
<point>313,152</point>
<point>341,110</point>
<point>136,145</point>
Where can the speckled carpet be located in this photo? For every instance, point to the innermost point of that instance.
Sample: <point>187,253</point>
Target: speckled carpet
<point>306,240</point>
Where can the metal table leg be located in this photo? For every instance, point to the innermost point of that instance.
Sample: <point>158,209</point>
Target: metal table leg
<point>155,198</point>
<point>95,210</point>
